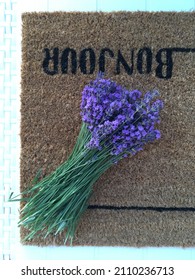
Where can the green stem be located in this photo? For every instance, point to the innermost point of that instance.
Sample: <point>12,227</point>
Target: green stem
<point>57,202</point>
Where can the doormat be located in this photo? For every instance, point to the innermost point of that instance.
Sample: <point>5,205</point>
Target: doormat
<point>146,200</point>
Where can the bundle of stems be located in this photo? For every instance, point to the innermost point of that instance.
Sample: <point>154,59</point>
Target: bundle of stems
<point>57,202</point>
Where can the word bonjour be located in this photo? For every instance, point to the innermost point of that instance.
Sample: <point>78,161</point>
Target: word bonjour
<point>87,60</point>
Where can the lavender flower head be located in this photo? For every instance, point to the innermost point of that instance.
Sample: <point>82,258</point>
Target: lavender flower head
<point>120,120</point>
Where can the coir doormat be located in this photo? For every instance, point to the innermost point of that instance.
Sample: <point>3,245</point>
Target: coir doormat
<point>147,200</point>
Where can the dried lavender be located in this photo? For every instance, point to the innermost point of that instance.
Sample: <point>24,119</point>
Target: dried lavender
<point>115,123</point>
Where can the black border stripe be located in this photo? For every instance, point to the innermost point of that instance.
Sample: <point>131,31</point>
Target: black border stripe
<point>143,208</point>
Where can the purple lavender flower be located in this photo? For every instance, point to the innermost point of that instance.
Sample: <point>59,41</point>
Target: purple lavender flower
<point>119,119</point>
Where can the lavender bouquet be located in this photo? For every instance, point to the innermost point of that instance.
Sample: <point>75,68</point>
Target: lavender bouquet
<point>116,123</point>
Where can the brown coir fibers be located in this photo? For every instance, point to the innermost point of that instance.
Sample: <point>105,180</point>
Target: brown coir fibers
<point>146,200</point>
